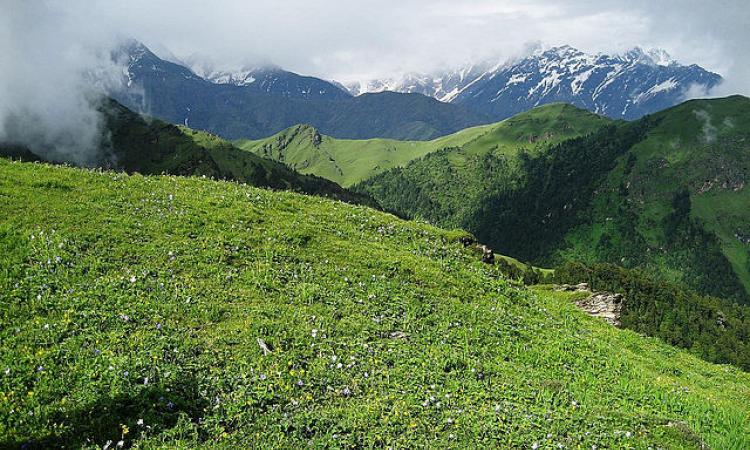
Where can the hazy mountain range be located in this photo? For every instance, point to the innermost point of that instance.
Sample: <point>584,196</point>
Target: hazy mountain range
<point>261,101</point>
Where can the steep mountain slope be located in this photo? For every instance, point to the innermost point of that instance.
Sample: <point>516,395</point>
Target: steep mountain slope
<point>622,87</point>
<point>443,86</point>
<point>666,193</point>
<point>279,100</point>
<point>626,86</point>
<point>350,161</point>
<point>274,80</point>
<point>173,312</point>
<point>148,146</point>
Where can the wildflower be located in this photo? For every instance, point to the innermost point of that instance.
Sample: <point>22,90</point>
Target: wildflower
<point>46,326</point>
<point>140,422</point>
<point>7,371</point>
<point>40,369</point>
<point>534,446</point>
<point>314,332</point>
<point>262,376</point>
<point>120,444</point>
<point>145,381</point>
<point>300,383</point>
<point>628,434</point>
<point>346,392</point>
<point>158,326</point>
<point>106,445</point>
<point>170,405</point>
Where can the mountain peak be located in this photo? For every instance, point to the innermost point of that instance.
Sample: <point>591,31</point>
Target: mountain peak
<point>652,56</point>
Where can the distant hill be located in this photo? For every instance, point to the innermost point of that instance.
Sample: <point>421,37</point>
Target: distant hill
<point>276,100</point>
<point>148,146</point>
<point>667,193</point>
<point>347,162</point>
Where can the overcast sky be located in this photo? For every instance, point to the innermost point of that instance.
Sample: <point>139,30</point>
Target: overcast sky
<point>48,48</point>
<point>347,39</point>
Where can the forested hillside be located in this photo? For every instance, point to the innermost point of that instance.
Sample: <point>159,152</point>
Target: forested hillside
<point>664,194</point>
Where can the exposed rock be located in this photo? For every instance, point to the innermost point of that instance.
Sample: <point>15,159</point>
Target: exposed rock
<point>267,349</point>
<point>581,287</point>
<point>317,139</point>
<point>398,335</point>
<point>606,305</point>
<point>488,256</point>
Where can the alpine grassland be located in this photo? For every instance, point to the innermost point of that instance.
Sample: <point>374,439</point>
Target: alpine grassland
<point>181,312</point>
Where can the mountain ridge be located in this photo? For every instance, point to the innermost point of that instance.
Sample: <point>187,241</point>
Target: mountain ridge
<point>621,86</point>
<point>663,193</point>
<point>260,109</point>
<point>348,162</point>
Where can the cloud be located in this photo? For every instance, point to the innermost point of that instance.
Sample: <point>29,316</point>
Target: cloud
<point>52,74</point>
<point>348,40</point>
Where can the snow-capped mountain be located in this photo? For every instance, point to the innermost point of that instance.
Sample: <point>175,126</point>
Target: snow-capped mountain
<point>258,103</point>
<point>274,80</point>
<point>625,86</point>
<point>444,86</point>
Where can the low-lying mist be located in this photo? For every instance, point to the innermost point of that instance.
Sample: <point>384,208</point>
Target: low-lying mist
<point>54,71</point>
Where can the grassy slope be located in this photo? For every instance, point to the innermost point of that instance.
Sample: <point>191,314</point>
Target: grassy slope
<point>150,146</point>
<point>350,161</point>
<point>153,147</point>
<point>130,297</point>
<point>709,159</point>
<point>347,161</point>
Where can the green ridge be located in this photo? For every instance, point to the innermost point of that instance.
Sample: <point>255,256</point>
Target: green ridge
<point>606,197</point>
<point>150,146</point>
<point>348,162</point>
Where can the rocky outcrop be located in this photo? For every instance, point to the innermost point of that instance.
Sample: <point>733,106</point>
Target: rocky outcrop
<point>605,305</point>
<point>581,287</point>
<point>488,256</point>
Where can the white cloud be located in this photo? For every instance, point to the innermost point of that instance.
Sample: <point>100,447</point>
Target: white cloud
<point>52,73</point>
